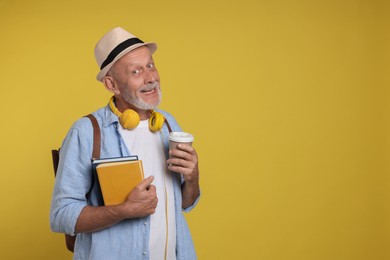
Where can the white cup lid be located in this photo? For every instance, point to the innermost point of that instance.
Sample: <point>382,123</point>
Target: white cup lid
<point>181,137</point>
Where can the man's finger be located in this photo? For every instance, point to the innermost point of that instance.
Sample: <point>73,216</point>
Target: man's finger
<point>187,148</point>
<point>145,183</point>
<point>152,188</point>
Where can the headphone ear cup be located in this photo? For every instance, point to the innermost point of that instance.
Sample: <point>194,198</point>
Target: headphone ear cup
<point>129,119</point>
<point>156,121</point>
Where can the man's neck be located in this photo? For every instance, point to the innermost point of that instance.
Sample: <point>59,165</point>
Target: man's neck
<point>143,114</point>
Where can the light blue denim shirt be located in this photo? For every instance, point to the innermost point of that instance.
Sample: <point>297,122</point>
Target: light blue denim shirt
<point>128,239</point>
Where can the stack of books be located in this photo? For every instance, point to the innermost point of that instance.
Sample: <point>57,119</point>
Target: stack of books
<point>117,177</point>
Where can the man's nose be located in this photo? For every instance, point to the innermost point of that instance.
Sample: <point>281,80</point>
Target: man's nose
<point>150,77</point>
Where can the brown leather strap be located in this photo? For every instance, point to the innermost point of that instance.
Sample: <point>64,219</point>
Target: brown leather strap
<point>96,137</point>
<point>169,127</point>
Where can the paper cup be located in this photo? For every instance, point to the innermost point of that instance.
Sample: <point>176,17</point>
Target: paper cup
<point>176,138</point>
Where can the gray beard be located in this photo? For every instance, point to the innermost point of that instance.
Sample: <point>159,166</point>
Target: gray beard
<point>140,103</point>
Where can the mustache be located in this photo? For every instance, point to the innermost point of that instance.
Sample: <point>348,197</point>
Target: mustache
<point>150,86</point>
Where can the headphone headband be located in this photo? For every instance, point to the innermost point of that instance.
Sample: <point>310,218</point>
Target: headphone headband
<point>113,107</point>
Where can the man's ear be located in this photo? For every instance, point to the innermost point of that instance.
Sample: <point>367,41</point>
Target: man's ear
<point>110,85</point>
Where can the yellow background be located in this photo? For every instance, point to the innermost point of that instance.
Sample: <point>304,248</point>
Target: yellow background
<point>288,101</point>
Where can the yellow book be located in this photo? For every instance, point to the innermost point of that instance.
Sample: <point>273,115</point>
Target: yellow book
<point>117,179</point>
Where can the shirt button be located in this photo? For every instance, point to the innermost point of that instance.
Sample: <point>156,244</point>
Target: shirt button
<point>145,223</point>
<point>144,252</point>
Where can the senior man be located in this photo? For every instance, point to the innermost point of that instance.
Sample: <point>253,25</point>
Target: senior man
<point>150,223</point>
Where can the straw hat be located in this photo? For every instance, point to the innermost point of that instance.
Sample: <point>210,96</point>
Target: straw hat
<point>114,45</point>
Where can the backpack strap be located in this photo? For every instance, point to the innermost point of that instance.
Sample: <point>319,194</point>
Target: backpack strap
<point>169,127</point>
<point>96,137</point>
<point>95,146</point>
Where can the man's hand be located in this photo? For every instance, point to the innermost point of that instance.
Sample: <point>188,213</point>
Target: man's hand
<point>142,200</point>
<point>184,160</point>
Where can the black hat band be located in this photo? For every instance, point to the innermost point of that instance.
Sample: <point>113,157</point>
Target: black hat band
<point>118,49</point>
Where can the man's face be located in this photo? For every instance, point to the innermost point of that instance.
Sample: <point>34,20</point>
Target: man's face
<point>137,79</point>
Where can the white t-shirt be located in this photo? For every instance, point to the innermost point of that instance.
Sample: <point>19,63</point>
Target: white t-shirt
<point>149,148</point>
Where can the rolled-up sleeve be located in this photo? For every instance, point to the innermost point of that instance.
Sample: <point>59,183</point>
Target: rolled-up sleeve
<point>189,208</point>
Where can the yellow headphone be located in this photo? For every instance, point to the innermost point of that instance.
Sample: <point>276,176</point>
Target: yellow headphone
<point>129,119</point>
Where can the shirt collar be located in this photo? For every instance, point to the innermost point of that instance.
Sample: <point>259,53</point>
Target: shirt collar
<point>109,117</point>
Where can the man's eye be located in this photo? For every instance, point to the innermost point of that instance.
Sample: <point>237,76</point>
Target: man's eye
<point>151,66</point>
<point>135,72</point>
